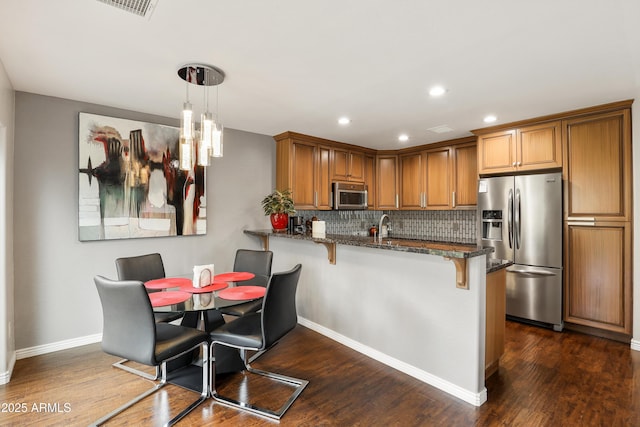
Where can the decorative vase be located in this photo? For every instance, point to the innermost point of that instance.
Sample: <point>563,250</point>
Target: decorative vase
<point>279,222</point>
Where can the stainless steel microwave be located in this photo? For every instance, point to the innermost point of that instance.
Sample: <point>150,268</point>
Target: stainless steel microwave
<point>349,196</point>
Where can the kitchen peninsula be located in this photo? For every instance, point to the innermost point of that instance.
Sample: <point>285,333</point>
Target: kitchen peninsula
<point>397,302</point>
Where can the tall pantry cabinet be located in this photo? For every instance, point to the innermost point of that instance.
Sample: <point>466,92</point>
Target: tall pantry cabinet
<point>598,223</point>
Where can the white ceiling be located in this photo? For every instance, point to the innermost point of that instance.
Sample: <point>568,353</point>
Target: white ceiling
<point>299,65</point>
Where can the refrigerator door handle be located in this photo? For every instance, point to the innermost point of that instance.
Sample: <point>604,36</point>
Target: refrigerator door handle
<point>510,218</point>
<point>532,273</point>
<point>517,220</point>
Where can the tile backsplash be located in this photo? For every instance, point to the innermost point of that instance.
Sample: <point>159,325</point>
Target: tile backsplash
<point>443,226</point>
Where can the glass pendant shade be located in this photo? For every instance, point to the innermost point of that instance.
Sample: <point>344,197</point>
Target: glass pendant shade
<point>186,121</point>
<point>217,140</point>
<point>206,137</point>
<point>186,153</point>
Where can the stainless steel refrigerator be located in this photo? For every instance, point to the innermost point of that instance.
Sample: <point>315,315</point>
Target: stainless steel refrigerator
<point>521,217</point>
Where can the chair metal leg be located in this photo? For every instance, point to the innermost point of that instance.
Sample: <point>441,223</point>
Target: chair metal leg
<point>260,353</point>
<point>163,381</point>
<point>120,364</point>
<point>277,414</point>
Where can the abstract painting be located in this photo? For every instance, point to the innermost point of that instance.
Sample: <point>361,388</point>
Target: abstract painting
<point>130,183</point>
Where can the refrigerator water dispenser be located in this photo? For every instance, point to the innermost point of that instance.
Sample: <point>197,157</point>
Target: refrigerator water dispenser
<point>492,225</point>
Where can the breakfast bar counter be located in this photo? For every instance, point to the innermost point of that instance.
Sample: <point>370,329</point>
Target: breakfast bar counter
<point>451,250</point>
<point>417,306</point>
<point>458,253</point>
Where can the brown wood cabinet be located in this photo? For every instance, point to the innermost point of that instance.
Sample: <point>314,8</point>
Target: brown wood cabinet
<point>303,167</point>
<point>440,178</point>
<point>387,181</point>
<point>527,148</point>
<point>412,181</point>
<point>598,276</point>
<point>439,165</point>
<point>495,320</point>
<point>347,165</point>
<point>370,179</point>
<point>597,232</point>
<point>465,176</point>
<point>598,167</point>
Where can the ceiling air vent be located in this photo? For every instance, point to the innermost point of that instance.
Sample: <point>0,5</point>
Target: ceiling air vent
<point>137,7</point>
<point>440,129</point>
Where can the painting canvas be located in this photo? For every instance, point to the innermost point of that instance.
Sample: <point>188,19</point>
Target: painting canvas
<point>130,183</point>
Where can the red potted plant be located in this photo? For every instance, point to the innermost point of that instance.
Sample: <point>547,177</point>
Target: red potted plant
<point>278,205</point>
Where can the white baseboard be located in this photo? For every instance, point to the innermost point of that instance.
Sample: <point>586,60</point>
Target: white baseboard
<point>24,353</point>
<point>5,377</point>
<point>475,399</point>
<point>635,345</point>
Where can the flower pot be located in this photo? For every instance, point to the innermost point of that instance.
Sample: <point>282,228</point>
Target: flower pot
<point>279,222</point>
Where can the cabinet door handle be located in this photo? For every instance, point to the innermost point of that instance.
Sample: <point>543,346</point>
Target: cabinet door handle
<point>315,199</point>
<point>582,223</point>
<point>396,200</point>
<point>513,164</point>
<point>581,218</point>
<point>453,199</point>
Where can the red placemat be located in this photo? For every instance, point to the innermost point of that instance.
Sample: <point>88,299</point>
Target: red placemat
<point>215,286</point>
<point>167,282</point>
<point>242,292</point>
<point>158,299</point>
<point>234,276</point>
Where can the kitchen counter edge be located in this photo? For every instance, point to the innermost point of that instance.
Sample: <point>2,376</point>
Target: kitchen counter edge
<point>451,250</point>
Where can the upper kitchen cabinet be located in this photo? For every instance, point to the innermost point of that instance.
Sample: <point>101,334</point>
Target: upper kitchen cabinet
<point>444,177</point>
<point>347,165</point>
<point>370,179</point>
<point>386,181</point>
<point>412,181</point>
<point>598,166</point>
<point>465,175</point>
<point>302,165</point>
<point>439,165</point>
<point>525,148</point>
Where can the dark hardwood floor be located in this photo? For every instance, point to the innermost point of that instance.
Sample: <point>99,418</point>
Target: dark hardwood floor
<point>545,379</point>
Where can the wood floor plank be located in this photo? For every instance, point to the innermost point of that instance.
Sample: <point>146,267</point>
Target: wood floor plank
<point>545,379</point>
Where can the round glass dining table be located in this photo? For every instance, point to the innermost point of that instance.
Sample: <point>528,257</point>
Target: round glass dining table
<point>178,293</point>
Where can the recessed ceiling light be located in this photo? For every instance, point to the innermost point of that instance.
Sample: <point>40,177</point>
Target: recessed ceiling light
<point>403,137</point>
<point>437,91</point>
<point>490,119</point>
<point>344,120</point>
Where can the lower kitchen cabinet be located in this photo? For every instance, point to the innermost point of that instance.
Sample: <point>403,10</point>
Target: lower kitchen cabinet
<point>598,279</point>
<point>495,324</point>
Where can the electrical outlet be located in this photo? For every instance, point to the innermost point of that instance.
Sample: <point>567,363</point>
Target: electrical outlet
<point>455,226</point>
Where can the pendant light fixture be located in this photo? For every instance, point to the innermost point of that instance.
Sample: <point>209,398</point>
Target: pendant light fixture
<point>207,142</point>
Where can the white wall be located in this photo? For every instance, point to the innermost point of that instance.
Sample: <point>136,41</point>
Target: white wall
<point>7,343</point>
<point>55,297</point>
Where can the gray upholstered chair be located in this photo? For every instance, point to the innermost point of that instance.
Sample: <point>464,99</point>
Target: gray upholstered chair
<point>258,263</point>
<point>144,268</point>
<point>130,331</point>
<point>259,331</point>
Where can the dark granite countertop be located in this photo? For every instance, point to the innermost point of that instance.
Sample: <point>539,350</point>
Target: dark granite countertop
<point>451,250</point>
<point>497,264</point>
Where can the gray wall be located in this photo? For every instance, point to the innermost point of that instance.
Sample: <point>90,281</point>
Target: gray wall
<point>55,298</point>
<point>7,342</point>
